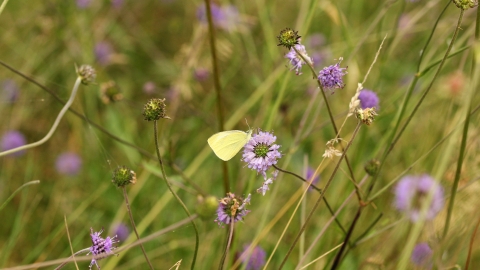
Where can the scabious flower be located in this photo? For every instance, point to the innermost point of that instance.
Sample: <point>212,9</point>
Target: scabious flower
<point>13,139</point>
<point>422,255</point>
<point>149,88</point>
<point>296,60</point>
<point>368,99</point>
<point>83,3</point>
<point>155,109</point>
<point>217,14</point>
<point>231,209</point>
<point>411,193</point>
<point>87,74</point>
<point>288,38</point>
<point>261,152</point>
<point>68,163</point>
<point>10,91</point>
<point>331,77</point>
<point>309,174</point>
<point>121,231</point>
<point>201,74</point>
<point>103,53</point>
<point>123,176</point>
<point>101,248</point>
<point>255,259</point>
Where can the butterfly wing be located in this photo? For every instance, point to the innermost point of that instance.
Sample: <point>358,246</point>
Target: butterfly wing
<point>227,144</point>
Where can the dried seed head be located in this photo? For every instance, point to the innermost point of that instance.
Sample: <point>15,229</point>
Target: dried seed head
<point>87,74</point>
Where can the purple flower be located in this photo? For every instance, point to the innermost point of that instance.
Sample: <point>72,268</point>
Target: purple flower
<point>10,91</point>
<point>309,174</point>
<point>117,3</point>
<point>231,209</point>
<point>68,163</point>
<point>331,77</point>
<point>121,231</point>
<point>422,255</point>
<point>149,88</point>
<point>13,139</point>
<point>226,18</point>
<point>201,74</point>
<point>411,193</point>
<point>103,53</point>
<point>217,14</point>
<point>101,248</point>
<point>315,40</point>
<point>255,259</point>
<point>261,152</point>
<point>83,3</point>
<point>368,99</point>
<point>296,60</point>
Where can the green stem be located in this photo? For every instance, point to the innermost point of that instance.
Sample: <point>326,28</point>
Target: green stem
<point>125,195</point>
<point>357,128</point>
<point>79,115</point>
<point>218,90</point>
<point>155,132</point>
<point>227,247</point>
<point>18,190</point>
<point>55,124</point>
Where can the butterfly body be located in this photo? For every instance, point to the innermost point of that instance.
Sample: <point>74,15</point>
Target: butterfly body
<point>227,144</point>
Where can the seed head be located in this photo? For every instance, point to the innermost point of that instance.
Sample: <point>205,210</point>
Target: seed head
<point>465,4</point>
<point>123,176</point>
<point>372,167</point>
<point>366,115</point>
<point>154,109</point>
<point>288,38</point>
<point>87,74</point>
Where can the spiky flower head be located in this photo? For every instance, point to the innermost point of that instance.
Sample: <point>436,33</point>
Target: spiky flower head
<point>254,259</point>
<point>372,167</point>
<point>465,4</point>
<point>232,209</point>
<point>366,115</point>
<point>331,77</point>
<point>87,74</point>
<point>411,193</point>
<point>206,206</point>
<point>101,248</point>
<point>154,109</point>
<point>261,152</point>
<point>288,38</point>
<point>296,61</point>
<point>123,176</point>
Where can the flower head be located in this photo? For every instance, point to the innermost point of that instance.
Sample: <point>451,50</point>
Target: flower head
<point>226,17</point>
<point>103,53</point>
<point>121,231</point>
<point>255,259</point>
<point>288,38</point>
<point>87,74</point>
<point>149,88</point>
<point>465,4</point>
<point>331,77</point>
<point>411,193</point>
<point>366,116</point>
<point>154,109</point>
<point>261,152</point>
<point>11,140</point>
<point>109,92</point>
<point>123,176</point>
<point>101,248</point>
<point>296,60</point>
<point>368,99</point>
<point>372,167</point>
<point>83,3</point>
<point>309,174</point>
<point>422,255</point>
<point>201,74</point>
<point>68,163</point>
<point>231,209</point>
<point>9,91</point>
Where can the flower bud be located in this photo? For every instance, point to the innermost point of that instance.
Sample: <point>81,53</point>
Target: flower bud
<point>87,74</point>
<point>123,176</point>
<point>154,109</point>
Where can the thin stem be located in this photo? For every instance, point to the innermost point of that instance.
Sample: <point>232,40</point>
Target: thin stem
<point>79,115</point>
<point>332,120</point>
<point>336,262</point>
<point>125,195</point>
<point>470,247</point>
<point>394,139</point>
<point>155,132</point>
<point>357,128</point>
<point>70,241</point>
<point>227,246</point>
<point>320,191</point>
<point>218,89</point>
<point>85,250</point>
<point>55,124</point>
<point>2,7</point>
<point>463,144</point>
<point>18,190</point>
